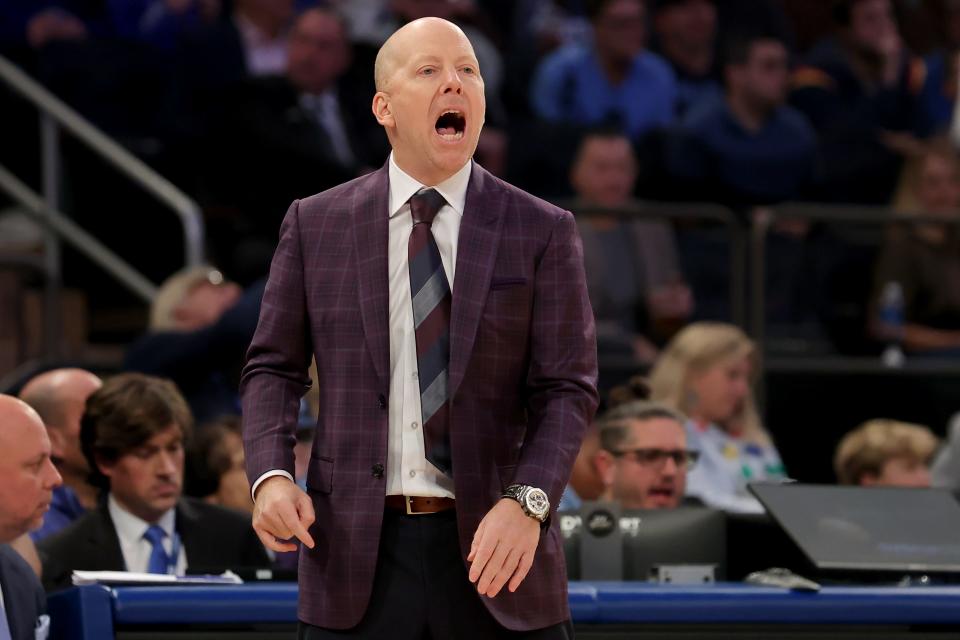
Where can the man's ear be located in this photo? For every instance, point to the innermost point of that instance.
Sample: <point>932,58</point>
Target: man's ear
<point>605,465</point>
<point>382,111</point>
<point>105,466</point>
<point>57,443</point>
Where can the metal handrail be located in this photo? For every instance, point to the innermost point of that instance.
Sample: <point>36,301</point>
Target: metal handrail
<point>815,212</point>
<point>80,239</point>
<point>54,116</point>
<point>186,209</point>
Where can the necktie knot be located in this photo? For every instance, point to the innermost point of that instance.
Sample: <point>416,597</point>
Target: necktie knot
<point>425,204</point>
<point>155,534</point>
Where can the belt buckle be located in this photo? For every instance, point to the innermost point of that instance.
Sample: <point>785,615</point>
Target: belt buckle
<point>410,511</point>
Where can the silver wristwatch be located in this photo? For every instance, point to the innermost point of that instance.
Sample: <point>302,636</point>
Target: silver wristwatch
<point>534,501</point>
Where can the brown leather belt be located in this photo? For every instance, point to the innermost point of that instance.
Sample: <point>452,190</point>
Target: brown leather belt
<point>415,505</point>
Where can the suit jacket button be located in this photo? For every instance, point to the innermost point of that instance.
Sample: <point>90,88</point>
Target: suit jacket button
<point>382,401</point>
<point>377,470</point>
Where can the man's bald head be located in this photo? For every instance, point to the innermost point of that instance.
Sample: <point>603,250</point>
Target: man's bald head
<point>60,397</point>
<point>27,474</point>
<point>51,393</point>
<point>403,43</point>
<point>430,99</point>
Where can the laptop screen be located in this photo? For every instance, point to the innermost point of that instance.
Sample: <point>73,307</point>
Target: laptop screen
<point>868,528</point>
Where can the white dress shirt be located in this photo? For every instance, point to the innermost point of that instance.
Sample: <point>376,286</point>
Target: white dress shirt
<point>408,472</point>
<point>136,549</point>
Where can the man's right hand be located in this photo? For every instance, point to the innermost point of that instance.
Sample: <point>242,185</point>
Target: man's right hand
<point>282,511</point>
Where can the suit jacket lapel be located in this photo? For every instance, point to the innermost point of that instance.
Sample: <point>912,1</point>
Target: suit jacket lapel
<point>12,598</point>
<point>476,255</point>
<point>370,230</point>
<point>105,542</point>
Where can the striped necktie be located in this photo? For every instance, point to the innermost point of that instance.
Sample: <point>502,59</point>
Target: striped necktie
<point>430,294</point>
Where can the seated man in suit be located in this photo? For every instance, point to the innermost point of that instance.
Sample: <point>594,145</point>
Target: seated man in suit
<point>27,481</point>
<point>133,434</point>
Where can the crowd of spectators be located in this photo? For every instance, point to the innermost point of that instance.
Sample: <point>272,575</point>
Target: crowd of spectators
<point>249,104</point>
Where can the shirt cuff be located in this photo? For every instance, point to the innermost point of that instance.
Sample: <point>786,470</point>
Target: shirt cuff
<point>268,474</point>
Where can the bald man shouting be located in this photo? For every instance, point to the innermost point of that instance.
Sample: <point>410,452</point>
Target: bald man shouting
<point>456,361</point>
<point>27,481</point>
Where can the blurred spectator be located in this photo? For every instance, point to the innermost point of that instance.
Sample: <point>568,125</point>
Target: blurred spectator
<point>924,258</point>
<point>750,144</point>
<point>289,136</point>
<point>133,435</point>
<point>615,81</point>
<point>686,35</point>
<point>707,372</point>
<point>36,23</point>
<point>215,58</point>
<point>161,23</point>
<point>860,92</point>
<point>27,479</point>
<point>886,453</point>
<point>945,469</point>
<point>200,328</point>
<point>939,95</point>
<point>644,457</point>
<point>585,481</point>
<point>214,466</point>
<point>59,397</point>
<point>635,286</point>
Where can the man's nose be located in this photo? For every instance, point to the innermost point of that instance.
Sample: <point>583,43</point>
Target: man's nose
<point>53,476</point>
<point>451,82</point>
<point>669,467</point>
<point>166,464</point>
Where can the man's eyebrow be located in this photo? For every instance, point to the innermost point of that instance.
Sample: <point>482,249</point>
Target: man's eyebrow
<point>38,458</point>
<point>425,57</point>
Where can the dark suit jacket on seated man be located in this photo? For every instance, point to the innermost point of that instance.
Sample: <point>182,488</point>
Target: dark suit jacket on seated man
<point>132,433</point>
<point>433,405</point>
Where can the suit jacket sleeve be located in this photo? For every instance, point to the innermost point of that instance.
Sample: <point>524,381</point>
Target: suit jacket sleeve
<point>275,376</point>
<point>562,376</point>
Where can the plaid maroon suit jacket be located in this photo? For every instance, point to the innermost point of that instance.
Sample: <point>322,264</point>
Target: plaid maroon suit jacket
<point>522,379</point>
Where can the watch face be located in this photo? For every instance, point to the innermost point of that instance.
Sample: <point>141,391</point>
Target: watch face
<point>537,503</point>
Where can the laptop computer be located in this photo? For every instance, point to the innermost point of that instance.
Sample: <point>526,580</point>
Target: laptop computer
<point>885,531</point>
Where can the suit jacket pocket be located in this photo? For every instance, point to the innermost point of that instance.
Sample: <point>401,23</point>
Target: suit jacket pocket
<point>506,283</point>
<point>320,475</point>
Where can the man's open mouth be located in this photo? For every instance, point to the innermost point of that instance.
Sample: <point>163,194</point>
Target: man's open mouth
<point>451,125</point>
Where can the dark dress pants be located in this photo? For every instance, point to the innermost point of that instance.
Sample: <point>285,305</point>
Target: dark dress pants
<point>421,590</point>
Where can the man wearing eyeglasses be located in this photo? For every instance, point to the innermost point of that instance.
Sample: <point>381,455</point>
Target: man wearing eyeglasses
<point>644,458</point>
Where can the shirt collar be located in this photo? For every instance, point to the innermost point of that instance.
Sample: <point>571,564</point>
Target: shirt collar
<point>131,528</point>
<point>453,189</point>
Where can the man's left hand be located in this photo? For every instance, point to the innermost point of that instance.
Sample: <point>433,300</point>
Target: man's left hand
<point>503,548</point>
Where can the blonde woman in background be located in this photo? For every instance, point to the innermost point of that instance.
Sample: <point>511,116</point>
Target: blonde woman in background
<point>924,259</point>
<point>707,373</point>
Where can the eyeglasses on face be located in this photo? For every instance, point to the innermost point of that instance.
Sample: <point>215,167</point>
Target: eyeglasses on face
<point>682,458</point>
